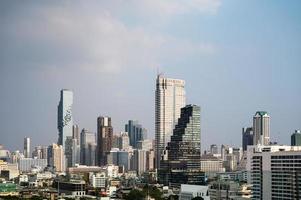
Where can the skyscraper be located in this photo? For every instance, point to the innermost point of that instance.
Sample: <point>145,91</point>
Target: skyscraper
<point>88,145</point>
<point>170,98</point>
<point>56,157</point>
<point>184,151</point>
<point>65,120</point>
<point>296,138</point>
<point>27,147</point>
<point>247,137</point>
<point>136,132</point>
<point>104,139</point>
<point>261,128</point>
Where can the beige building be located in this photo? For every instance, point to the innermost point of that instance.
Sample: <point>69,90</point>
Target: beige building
<point>211,165</point>
<point>170,98</point>
<point>57,158</point>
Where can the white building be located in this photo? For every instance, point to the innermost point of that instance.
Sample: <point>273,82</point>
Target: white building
<point>98,180</point>
<point>274,171</point>
<point>189,192</point>
<point>27,164</point>
<point>261,128</point>
<point>27,147</point>
<point>170,98</point>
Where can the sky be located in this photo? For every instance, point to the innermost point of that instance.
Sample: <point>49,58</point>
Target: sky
<point>236,57</point>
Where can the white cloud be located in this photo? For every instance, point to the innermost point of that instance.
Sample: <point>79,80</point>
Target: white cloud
<point>91,39</point>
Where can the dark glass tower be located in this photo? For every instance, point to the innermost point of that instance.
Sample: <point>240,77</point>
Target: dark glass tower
<point>136,132</point>
<point>296,138</point>
<point>184,151</point>
<point>104,139</point>
<point>247,137</point>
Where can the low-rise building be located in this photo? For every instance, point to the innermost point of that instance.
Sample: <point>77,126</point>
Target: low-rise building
<point>189,192</point>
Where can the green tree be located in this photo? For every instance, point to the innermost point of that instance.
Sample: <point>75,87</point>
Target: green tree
<point>135,195</point>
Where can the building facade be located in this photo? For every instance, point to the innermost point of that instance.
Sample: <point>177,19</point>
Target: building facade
<point>27,147</point>
<point>104,139</point>
<point>56,157</point>
<point>136,132</point>
<point>261,128</point>
<point>274,171</point>
<point>296,138</point>
<point>247,137</point>
<point>184,151</point>
<point>169,99</point>
<point>65,119</point>
<point>88,148</point>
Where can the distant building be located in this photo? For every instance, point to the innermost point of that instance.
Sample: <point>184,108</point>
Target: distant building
<point>65,119</point>
<point>261,128</point>
<point>124,141</point>
<point>189,192</point>
<point>27,164</point>
<point>88,148</point>
<point>247,137</point>
<point>213,149</point>
<point>56,157</point>
<point>145,144</point>
<point>135,132</point>
<point>40,152</point>
<point>27,147</point>
<point>296,138</point>
<point>139,161</point>
<point>229,190</point>
<point>211,165</point>
<point>184,151</point>
<point>170,98</point>
<point>104,139</point>
<point>98,180</point>
<point>274,171</point>
<point>4,154</point>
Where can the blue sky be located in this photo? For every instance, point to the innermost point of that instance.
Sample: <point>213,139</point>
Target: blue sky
<point>236,57</point>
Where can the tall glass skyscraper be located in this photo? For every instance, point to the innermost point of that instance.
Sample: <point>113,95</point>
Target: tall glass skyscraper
<point>184,151</point>
<point>64,118</point>
<point>261,128</point>
<point>170,98</point>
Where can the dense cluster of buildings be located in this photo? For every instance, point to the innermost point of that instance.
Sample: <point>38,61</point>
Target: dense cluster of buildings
<point>105,163</point>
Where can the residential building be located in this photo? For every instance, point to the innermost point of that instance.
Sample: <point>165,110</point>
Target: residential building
<point>189,192</point>
<point>211,165</point>
<point>98,180</point>
<point>169,99</point>
<point>124,141</point>
<point>56,157</point>
<point>274,171</point>
<point>27,164</point>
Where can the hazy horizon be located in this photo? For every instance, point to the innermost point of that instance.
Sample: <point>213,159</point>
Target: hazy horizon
<point>236,57</point>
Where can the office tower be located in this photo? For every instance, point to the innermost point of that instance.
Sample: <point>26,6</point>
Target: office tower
<point>296,138</point>
<point>139,161</point>
<point>124,141</point>
<point>65,119</point>
<point>247,137</point>
<point>76,133</point>
<point>170,98</point>
<point>27,147</point>
<point>261,128</point>
<point>104,139</point>
<point>274,171</point>
<point>56,157</point>
<point>136,132</point>
<point>88,147</point>
<point>184,151</point>
<point>116,141</point>
<point>213,149</point>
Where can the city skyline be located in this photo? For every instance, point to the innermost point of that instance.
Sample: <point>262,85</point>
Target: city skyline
<point>230,76</point>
